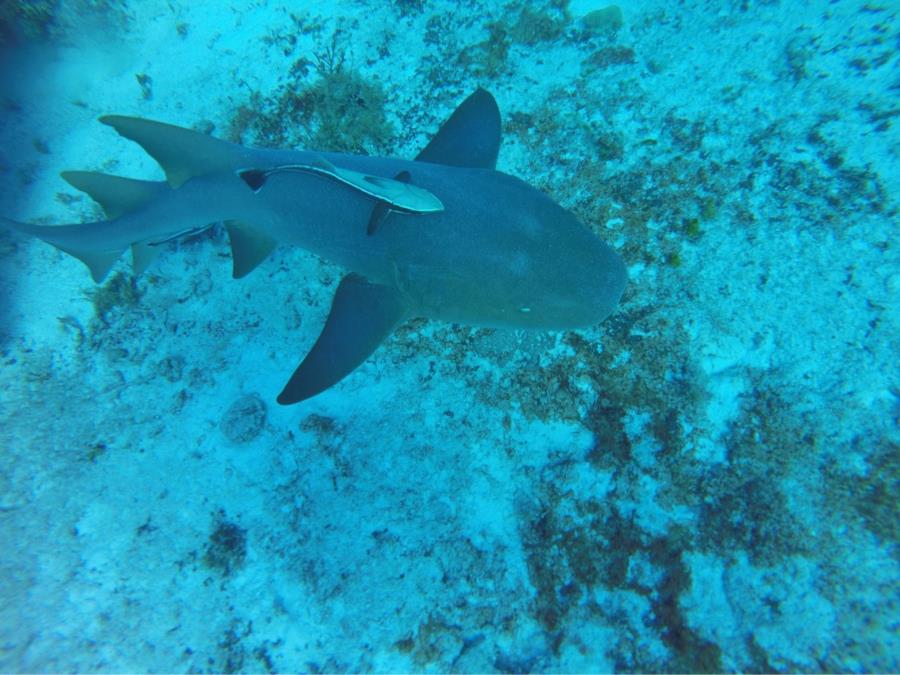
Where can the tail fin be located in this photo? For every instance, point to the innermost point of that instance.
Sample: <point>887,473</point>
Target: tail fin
<point>98,262</point>
<point>183,154</point>
<point>118,196</point>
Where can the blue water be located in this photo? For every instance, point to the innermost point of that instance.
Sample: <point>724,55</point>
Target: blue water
<point>705,481</point>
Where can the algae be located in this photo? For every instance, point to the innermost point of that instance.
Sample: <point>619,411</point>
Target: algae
<point>120,291</point>
<point>606,21</point>
<point>533,27</point>
<point>245,419</point>
<point>226,549</point>
<point>489,57</point>
<point>340,111</point>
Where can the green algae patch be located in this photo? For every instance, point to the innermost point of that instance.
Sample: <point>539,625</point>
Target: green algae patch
<point>533,27</point>
<point>345,112</point>
<point>488,58</point>
<point>581,548</point>
<point>120,291</point>
<point>341,110</point>
<point>606,21</point>
<point>612,56</point>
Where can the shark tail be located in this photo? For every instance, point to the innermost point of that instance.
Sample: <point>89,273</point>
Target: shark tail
<point>183,154</point>
<point>98,262</point>
<point>117,196</point>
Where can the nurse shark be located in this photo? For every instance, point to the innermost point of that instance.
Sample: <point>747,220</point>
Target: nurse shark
<point>444,236</point>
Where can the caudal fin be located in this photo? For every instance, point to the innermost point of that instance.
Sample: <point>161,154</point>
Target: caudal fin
<point>99,262</point>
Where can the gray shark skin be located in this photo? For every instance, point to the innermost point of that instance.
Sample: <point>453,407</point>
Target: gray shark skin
<point>498,253</point>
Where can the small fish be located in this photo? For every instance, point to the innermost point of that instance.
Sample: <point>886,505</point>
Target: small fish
<point>398,194</point>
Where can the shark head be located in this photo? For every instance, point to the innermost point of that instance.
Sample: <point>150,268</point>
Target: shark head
<point>580,292</point>
<point>528,263</point>
<point>572,279</point>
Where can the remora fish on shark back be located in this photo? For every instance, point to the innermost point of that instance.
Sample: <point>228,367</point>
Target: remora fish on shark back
<point>444,236</point>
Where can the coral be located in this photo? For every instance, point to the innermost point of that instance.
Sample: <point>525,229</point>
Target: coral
<point>610,146</point>
<point>409,7</point>
<point>874,496</point>
<point>611,56</point>
<point>533,27</point>
<point>171,368</point>
<point>489,58</point>
<point>575,547</point>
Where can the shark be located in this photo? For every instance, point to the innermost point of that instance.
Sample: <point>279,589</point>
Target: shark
<point>443,236</point>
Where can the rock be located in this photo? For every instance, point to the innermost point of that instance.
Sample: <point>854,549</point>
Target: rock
<point>245,419</point>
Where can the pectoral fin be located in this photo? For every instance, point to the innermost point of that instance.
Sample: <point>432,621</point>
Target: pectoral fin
<point>362,315</point>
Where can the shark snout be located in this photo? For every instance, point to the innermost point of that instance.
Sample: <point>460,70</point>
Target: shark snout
<point>611,277</point>
<point>589,285</point>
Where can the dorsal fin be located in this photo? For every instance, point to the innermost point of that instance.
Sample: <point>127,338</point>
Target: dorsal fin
<point>182,153</point>
<point>470,137</point>
<point>115,194</point>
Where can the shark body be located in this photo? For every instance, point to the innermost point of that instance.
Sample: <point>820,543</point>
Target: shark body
<point>444,236</point>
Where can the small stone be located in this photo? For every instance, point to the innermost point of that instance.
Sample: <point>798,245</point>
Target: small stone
<point>245,419</point>
<point>171,368</point>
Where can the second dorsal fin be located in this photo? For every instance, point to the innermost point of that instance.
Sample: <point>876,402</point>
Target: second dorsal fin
<point>182,153</point>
